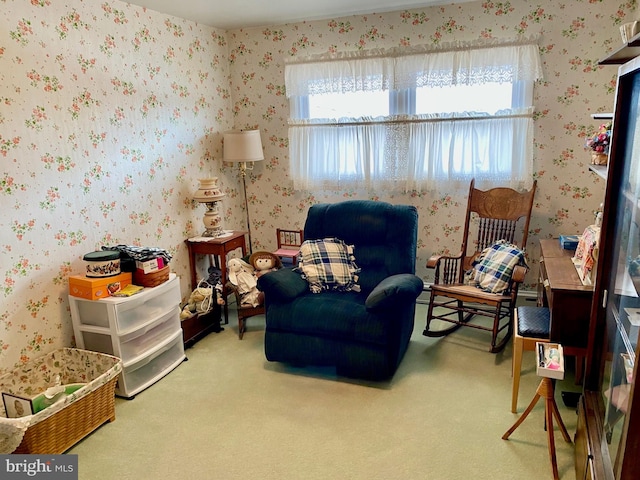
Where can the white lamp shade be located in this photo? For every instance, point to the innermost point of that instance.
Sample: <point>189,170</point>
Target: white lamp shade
<point>242,146</point>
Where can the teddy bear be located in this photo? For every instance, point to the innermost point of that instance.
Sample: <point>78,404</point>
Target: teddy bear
<point>243,276</point>
<point>264,262</point>
<point>200,300</point>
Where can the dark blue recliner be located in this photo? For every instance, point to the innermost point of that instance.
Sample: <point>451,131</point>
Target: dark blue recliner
<point>362,334</point>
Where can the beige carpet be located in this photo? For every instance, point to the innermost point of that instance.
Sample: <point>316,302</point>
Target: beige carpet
<point>227,413</point>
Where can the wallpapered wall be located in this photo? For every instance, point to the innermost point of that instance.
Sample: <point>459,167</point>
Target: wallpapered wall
<point>110,112</point>
<point>109,115</point>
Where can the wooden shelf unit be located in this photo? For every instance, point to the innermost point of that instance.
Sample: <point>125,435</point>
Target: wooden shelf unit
<point>623,54</point>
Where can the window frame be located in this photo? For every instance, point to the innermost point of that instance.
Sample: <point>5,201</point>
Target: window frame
<point>402,105</point>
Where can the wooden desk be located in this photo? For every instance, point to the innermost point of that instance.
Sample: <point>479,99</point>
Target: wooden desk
<point>569,301</point>
<point>218,248</point>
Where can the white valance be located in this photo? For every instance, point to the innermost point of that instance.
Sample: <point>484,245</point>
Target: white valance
<point>466,63</point>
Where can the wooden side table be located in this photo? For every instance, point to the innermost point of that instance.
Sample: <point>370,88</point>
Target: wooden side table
<point>217,249</point>
<point>545,390</point>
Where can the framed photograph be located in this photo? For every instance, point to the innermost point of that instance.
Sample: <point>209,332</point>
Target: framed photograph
<point>16,406</point>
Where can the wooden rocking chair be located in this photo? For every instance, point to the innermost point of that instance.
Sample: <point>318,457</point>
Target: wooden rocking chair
<point>500,214</point>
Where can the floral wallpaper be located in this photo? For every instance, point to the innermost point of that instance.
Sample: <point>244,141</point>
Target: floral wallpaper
<point>111,112</point>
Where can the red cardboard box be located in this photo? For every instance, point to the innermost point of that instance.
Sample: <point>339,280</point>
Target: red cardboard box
<point>96,288</point>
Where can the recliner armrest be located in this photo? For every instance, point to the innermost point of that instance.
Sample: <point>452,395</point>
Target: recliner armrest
<point>400,288</point>
<point>282,285</point>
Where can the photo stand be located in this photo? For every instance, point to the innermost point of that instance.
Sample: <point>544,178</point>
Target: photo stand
<point>16,406</point>
<point>545,390</point>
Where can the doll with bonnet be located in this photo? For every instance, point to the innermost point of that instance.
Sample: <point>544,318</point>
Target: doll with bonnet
<point>243,277</point>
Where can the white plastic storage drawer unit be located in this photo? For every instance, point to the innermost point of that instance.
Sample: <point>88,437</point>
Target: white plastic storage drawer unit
<point>143,330</point>
<point>130,347</point>
<point>129,313</point>
<point>148,370</point>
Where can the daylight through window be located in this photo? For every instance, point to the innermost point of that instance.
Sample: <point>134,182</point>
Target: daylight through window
<point>411,121</point>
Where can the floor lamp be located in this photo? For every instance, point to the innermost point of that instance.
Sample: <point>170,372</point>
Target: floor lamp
<point>243,147</point>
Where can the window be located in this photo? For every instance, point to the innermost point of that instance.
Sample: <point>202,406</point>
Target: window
<point>350,104</point>
<point>488,97</point>
<point>410,121</point>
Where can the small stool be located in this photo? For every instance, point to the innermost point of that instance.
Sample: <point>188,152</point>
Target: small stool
<point>545,390</point>
<point>531,325</point>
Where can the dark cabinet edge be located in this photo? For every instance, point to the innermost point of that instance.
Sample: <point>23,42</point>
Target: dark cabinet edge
<point>598,449</point>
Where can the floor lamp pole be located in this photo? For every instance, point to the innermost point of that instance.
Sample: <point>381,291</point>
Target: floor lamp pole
<point>243,173</point>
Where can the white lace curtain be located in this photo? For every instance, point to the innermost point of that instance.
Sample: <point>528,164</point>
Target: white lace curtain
<point>414,152</point>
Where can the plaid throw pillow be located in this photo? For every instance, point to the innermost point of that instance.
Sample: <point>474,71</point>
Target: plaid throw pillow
<point>328,264</point>
<point>493,268</point>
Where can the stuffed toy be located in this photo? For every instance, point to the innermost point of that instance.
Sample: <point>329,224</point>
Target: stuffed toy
<point>243,277</point>
<point>200,300</point>
<point>264,262</point>
<point>215,279</point>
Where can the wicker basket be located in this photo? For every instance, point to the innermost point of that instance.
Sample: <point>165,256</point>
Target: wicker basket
<point>152,279</point>
<point>61,431</point>
<point>57,428</point>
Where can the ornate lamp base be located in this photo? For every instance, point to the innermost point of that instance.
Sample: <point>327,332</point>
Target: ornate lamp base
<point>212,220</point>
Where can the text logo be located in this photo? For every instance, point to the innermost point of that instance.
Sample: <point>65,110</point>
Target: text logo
<point>51,467</point>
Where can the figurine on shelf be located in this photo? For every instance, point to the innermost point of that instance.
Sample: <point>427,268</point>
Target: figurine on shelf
<point>598,144</point>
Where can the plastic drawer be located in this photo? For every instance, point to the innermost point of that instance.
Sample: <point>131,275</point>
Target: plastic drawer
<point>91,312</point>
<point>137,343</point>
<point>140,341</point>
<point>137,312</point>
<point>97,342</point>
<point>132,312</point>
<point>145,372</point>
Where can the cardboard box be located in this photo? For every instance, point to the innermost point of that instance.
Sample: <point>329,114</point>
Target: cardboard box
<point>96,288</point>
<point>549,360</point>
<point>149,266</point>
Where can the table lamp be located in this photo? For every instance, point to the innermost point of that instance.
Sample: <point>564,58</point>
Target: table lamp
<point>210,194</point>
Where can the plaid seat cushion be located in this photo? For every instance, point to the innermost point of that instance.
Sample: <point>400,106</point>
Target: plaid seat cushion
<point>328,264</point>
<point>492,270</point>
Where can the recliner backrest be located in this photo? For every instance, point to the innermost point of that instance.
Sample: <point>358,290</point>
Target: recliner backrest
<point>384,235</point>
